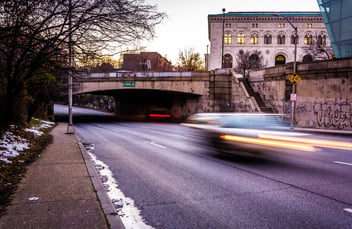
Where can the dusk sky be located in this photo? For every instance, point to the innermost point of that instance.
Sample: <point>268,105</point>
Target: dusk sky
<point>187,25</point>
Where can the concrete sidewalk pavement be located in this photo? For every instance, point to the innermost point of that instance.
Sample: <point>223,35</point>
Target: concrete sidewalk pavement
<point>58,191</point>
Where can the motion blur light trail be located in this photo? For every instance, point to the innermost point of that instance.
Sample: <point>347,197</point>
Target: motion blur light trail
<point>159,115</point>
<point>271,142</point>
<point>312,141</point>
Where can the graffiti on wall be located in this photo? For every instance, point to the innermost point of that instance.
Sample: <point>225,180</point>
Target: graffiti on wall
<point>334,114</point>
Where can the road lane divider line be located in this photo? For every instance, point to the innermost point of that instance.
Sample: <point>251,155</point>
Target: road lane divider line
<point>158,145</point>
<point>349,210</point>
<point>342,163</point>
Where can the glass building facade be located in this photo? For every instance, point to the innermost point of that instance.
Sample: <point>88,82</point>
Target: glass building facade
<point>337,15</point>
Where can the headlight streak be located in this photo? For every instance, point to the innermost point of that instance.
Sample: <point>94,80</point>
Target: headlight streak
<point>312,141</point>
<point>342,163</point>
<point>271,142</point>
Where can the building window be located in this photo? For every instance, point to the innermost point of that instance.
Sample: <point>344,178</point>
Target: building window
<point>228,38</point>
<point>282,25</point>
<point>293,39</point>
<point>322,40</point>
<point>228,25</point>
<point>254,39</point>
<point>268,39</point>
<point>281,39</point>
<point>280,59</point>
<point>307,59</point>
<point>308,39</point>
<point>309,25</point>
<point>255,25</point>
<point>228,61</point>
<point>241,38</point>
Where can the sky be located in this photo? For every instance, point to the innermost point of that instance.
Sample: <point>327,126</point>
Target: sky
<point>187,23</point>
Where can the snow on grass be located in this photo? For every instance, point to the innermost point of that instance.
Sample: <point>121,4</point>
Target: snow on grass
<point>12,145</point>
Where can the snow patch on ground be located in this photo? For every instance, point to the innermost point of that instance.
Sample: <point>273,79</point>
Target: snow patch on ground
<point>128,212</point>
<point>12,145</point>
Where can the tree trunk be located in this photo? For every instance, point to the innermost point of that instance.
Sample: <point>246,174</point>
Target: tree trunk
<point>15,105</point>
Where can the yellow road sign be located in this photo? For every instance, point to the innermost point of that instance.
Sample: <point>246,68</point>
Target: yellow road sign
<point>294,78</point>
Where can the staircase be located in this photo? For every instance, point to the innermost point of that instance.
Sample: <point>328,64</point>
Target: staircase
<point>256,96</point>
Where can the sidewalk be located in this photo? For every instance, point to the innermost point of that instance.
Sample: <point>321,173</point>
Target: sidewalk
<point>58,191</point>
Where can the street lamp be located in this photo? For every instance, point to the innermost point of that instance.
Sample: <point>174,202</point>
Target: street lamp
<point>294,69</point>
<point>70,63</point>
<point>223,37</point>
<point>207,59</point>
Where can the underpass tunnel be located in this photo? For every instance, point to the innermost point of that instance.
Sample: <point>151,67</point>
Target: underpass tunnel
<point>137,105</point>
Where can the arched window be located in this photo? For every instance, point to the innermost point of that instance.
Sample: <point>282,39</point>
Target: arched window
<point>281,39</point>
<point>280,59</point>
<point>308,39</point>
<point>254,39</point>
<point>293,39</point>
<point>228,61</point>
<point>268,39</point>
<point>241,38</point>
<point>322,40</point>
<point>307,59</point>
<point>228,38</point>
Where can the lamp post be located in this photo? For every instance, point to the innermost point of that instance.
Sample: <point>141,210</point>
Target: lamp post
<point>223,37</point>
<point>294,69</point>
<point>70,63</point>
<point>207,59</point>
<point>294,72</point>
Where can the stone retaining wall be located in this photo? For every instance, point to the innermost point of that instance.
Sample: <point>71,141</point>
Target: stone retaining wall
<point>324,95</point>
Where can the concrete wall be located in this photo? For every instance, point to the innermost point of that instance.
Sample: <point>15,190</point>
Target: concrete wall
<point>324,95</point>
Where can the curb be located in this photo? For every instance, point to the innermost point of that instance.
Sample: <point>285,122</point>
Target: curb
<point>112,218</point>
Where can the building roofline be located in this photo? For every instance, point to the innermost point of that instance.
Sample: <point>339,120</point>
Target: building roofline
<point>269,13</point>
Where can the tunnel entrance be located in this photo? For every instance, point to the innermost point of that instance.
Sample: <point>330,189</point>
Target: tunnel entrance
<point>151,104</point>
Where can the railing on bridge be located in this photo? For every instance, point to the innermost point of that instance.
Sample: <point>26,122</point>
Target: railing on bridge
<point>140,74</point>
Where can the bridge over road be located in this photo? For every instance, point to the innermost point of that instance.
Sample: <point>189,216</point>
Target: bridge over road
<point>179,94</point>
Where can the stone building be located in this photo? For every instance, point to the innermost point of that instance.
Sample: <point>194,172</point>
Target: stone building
<point>271,33</point>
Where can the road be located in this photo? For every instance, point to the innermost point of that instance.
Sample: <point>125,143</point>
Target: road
<point>177,182</point>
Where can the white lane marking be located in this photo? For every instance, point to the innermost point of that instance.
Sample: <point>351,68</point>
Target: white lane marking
<point>155,144</point>
<point>343,163</point>
<point>349,210</point>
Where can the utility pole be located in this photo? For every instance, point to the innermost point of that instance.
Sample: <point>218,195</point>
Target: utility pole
<point>294,75</point>
<point>70,67</point>
<point>223,37</point>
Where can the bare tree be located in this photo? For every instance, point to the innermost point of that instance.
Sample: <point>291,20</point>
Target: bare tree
<point>248,60</point>
<point>189,60</point>
<point>34,37</point>
<point>318,50</point>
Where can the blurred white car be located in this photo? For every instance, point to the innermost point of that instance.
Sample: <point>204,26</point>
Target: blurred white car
<point>248,132</point>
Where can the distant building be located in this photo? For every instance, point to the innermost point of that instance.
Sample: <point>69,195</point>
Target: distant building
<point>337,15</point>
<point>146,61</point>
<point>271,33</point>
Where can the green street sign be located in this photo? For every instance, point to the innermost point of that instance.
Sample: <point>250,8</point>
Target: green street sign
<point>128,84</point>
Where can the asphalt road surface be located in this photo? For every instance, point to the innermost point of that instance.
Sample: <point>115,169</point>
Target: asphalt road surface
<point>176,181</point>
